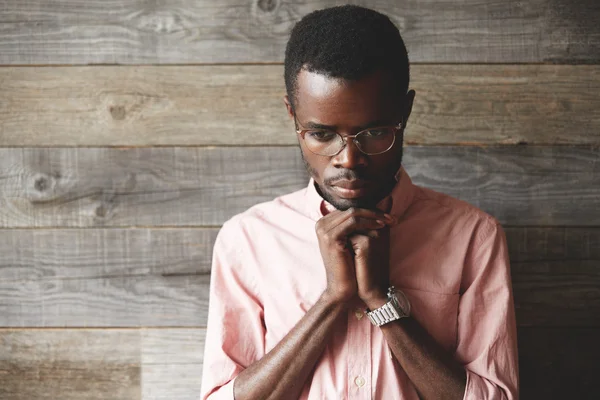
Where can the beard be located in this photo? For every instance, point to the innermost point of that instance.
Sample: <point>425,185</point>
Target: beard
<point>385,186</point>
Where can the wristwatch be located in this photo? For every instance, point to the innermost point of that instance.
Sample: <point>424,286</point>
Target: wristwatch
<point>397,307</point>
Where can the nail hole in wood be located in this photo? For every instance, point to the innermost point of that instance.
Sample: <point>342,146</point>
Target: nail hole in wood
<point>117,112</point>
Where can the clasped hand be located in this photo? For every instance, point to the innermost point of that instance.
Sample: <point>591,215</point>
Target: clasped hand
<point>355,245</point>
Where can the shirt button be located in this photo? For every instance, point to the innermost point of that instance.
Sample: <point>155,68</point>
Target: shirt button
<point>359,381</point>
<point>358,313</point>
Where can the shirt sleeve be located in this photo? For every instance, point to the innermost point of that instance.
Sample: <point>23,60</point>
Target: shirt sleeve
<point>487,336</point>
<point>235,329</point>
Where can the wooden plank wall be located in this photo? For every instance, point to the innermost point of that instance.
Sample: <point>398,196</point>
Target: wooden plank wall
<point>131,130</point>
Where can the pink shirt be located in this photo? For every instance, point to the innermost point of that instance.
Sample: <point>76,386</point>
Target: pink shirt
<point>448,257</point>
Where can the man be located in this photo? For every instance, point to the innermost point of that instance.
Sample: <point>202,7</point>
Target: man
<point>362,285</point>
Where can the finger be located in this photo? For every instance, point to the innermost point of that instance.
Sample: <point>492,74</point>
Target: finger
<point>385,205</point>
<point>336,218</point>
<point>356,224</point>
<point>374,214</point>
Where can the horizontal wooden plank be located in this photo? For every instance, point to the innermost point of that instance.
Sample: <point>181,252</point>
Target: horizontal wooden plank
<point>70,32</point>
<point>546,292</point>
<point>129,301</point>
<point>157,364</point>
<point>557,364</point>
<point>70,365</point>
<point>551,244</point>
<point>172,363</point>
<point>160,277</point>
<point>555,273</point>
<point>105,277</point>
<point>242,105</point>
<point>92,187</point>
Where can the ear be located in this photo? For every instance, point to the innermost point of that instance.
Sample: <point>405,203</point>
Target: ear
<point>288,105</point>
<point>408,105</point>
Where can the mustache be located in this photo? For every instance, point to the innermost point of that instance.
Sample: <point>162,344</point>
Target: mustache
<point>347,175</point>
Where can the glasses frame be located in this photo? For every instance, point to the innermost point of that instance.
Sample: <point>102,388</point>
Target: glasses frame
<point>396,128</point>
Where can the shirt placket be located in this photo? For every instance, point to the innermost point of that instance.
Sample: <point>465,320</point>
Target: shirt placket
<point>359,353</point>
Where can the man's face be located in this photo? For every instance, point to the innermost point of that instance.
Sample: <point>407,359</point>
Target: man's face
<point>351,178</point>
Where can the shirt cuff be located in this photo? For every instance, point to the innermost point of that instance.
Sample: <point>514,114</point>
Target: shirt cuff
<point>478,388</point>
<point>475,388</point>
<point>225,392</point>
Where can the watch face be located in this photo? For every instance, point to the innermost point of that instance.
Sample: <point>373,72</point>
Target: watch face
<point>402,301</point>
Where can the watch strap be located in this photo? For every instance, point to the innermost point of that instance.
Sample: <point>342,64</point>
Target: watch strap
<point>390,311</point>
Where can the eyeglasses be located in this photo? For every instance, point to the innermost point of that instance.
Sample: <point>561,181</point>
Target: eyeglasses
<point>371,141</point>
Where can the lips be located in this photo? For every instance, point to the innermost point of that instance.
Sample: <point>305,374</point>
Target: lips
<point>351,189</point>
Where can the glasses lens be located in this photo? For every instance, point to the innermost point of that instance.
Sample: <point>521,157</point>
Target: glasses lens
<point>325,143</point>
<point>375,141</point>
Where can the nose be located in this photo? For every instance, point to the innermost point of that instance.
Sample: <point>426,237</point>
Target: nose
<point>350,157</point>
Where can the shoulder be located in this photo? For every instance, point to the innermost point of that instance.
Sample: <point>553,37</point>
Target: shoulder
<point>264,215</point>
<point>460,214</point>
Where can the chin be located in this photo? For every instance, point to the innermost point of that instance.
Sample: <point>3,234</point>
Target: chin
<point>344,204</point>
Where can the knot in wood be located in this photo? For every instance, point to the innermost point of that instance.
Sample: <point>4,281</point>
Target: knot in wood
<point>117,112</point>
<point>101,211</point>
<point>267,5</point>
<point>41,184</point>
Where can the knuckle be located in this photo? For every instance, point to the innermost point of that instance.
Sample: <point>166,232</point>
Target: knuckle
<point>353,220</point>
<point>319,228</point>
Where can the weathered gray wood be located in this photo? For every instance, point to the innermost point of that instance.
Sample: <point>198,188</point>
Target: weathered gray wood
<point>106,302</point>
<point>159,277</point>
<point>28,255</point>
<point>172,363</point>
<point>140,186</point>
<point>70,365</point>
<point>71,32</point>
<point>86,187</point>
<point>104,277</point>
<point>242,105</point>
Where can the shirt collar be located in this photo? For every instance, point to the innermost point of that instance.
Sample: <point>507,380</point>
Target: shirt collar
<point>402,196</point>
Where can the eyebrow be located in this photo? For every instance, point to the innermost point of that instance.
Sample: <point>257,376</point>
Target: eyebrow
<point>372,124</point>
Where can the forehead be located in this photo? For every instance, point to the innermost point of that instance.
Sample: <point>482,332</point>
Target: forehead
<point>340,102</point>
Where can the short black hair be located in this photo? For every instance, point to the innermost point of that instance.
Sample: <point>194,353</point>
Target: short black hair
<point>348,42</point>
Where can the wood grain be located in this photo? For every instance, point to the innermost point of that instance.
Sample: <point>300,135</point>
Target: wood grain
<point>172,363</point>
<point>104,277</point>
<point>165,364</point>
<point>70,365</point>
<point>557,364</point>
<point>160,277</point>
<point>95,187</point>
<point>555,272</point>
<point>242,105</point>
<point>184,31</point>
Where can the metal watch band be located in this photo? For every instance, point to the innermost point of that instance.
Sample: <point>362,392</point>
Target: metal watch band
<point>383,314</point>
<point>389,312</point>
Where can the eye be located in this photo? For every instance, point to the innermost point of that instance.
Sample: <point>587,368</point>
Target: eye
<point>321,136</point>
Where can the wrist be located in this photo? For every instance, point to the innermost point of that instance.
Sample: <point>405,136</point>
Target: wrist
<point>375,299</point>
<point>332,299</point>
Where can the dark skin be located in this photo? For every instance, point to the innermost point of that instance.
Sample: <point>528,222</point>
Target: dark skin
<point>354,245</point>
